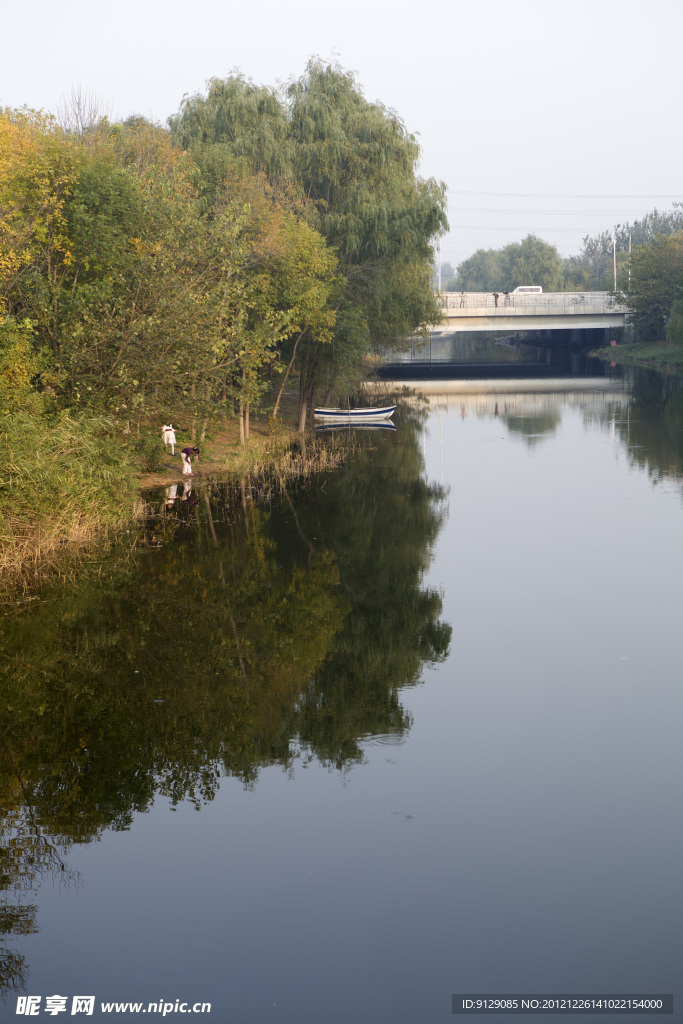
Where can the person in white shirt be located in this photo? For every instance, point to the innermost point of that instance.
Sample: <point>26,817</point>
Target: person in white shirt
<point>168,437</point>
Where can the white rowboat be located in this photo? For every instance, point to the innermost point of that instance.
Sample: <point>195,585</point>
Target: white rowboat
<point>354,415</point>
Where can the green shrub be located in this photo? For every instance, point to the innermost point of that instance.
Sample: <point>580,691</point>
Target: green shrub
<point>60,469</point>
<point>148,453</point>
<point>674,327</point>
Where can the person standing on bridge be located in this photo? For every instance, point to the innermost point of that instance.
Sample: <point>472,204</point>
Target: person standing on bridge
<point>462,299</point>
<point>507,298</point>
<point>495,298</point>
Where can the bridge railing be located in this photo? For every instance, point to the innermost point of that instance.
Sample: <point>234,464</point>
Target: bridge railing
<point>571,302</point>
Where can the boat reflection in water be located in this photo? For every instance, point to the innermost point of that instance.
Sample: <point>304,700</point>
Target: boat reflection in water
<point>386,425</point>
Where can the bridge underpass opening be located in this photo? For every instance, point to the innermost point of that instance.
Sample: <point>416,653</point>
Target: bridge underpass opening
<point>537,354</point>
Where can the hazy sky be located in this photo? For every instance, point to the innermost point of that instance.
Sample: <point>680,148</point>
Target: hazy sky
<point>561,119</point>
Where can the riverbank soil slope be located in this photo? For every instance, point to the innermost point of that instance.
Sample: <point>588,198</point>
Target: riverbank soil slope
<point>654,355</point>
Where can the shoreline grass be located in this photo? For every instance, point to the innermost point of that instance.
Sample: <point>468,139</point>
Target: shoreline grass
<point>63,486</point>
<point>661,355</point>
<point>70,486</point>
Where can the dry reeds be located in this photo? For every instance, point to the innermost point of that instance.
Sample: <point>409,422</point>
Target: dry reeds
<point>63,485</point>
<point>272,463</point>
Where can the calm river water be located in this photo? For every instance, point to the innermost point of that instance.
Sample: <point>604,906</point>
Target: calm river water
<point>412,730</point>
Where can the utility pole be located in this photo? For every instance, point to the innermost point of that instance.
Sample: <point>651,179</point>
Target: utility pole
<point>439,264</point>
<point>614,253</point>
<point>629,261</point>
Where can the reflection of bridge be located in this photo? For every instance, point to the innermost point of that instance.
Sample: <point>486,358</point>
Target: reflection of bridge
<point>452,391</point>
<point>481,311</point>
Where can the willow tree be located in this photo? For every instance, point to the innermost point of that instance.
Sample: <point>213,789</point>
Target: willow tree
<point>357,164</point>
<point>352,167</point>
<point>236,125</point>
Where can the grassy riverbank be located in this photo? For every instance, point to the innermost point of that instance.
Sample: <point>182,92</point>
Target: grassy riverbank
<point>64,482</point>
<point>668,358</point>
<point>69,485</point>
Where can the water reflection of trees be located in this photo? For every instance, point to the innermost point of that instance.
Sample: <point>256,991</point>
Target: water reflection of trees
<point>533,429</point>
<point>653,430</point>
<point>27,855</point>
<point>384,518</point>
<point>649,425</point>
<point>205,655</point>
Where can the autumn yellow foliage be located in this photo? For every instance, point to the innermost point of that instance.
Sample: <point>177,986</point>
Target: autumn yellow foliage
<point>38,169</point>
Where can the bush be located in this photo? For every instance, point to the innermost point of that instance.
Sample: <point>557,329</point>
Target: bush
<point>674,327</point>
<point>60,473</point>
<point>149,453</point>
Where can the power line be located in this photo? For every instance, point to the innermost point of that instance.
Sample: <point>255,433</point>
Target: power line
<point>517,209</point>
<point>553,195</point>
<point>512,227</point>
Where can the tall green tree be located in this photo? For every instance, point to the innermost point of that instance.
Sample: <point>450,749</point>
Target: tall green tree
<point>352,167</point>
<point>480,272</point>
<point>674,327</point>
<point>244,122</point>
<point>656,282</point>
<point>645,229</point>
<point>592,268</point>
<point>596,257</point>
<point>531,261</point>
<point>357,163</point>
<point>146,295</point>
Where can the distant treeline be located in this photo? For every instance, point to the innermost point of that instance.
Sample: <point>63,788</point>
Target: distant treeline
<point>178,271</point>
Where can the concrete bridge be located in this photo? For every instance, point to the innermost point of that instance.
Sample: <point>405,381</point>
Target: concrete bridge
<point>480,311</point>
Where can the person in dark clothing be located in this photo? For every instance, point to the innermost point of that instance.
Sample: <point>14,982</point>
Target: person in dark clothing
<point>186,455</point>
<point>188,496</point>
<point>496,297</point>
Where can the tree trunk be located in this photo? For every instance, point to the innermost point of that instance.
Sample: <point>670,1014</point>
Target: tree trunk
<point>306,390</point>
<point>244,410</point>
<point>210,518</point>
<point>284,379</point>
<point>303,409</point>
